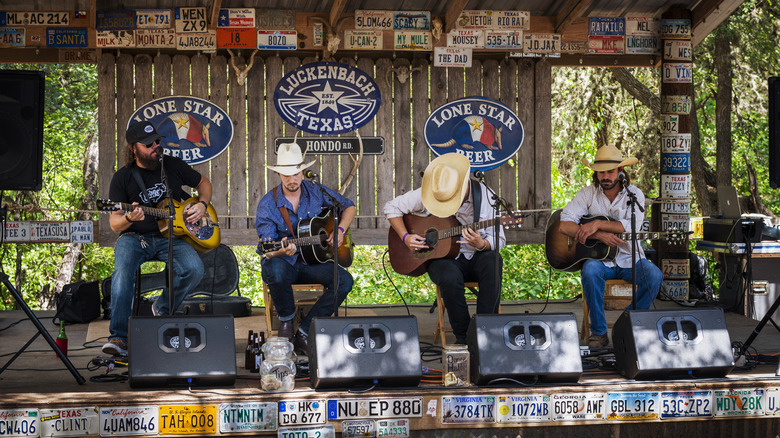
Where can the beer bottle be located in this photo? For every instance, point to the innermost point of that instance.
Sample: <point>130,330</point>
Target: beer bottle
<point>62,339</point>
<point>248,351</point>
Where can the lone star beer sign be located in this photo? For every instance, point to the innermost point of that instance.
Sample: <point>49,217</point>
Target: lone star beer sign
<point>192,129</point>
<point>327,98</point>
<point>485,131</point>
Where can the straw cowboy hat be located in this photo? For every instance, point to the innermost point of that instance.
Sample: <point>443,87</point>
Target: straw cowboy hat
<point>289,160</point>
<point>445,183</point>
<point>607,158</point>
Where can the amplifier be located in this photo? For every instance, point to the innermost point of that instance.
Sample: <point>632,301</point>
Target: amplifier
<point>732,230</point>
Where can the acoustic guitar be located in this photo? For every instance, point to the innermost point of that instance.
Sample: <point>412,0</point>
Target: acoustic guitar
<point>203,235</point>
<point>312,240</point>
<point>565,253</point>
<point>438,233</point>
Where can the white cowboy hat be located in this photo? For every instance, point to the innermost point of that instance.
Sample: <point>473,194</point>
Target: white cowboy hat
<point>445,183</point>
<point>607,158</point>
<point>289,160</point>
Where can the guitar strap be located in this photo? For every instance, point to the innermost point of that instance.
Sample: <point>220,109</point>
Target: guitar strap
<point>476,198</point>
<point>284,214</point>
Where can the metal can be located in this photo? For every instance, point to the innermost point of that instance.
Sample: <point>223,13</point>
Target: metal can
<point>455,362</point>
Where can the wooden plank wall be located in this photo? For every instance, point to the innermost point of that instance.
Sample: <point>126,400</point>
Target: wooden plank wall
<point>239,175</point>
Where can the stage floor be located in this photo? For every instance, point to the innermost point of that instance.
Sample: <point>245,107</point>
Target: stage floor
<point>39,380</point>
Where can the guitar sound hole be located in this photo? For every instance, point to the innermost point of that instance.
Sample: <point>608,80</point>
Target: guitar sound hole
<point>431,237</point>
<point>323,239</point>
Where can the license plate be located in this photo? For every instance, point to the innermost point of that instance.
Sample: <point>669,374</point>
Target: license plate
<point>644,26</point>
<point>275,19</point>
<point>367,19</point>
<point>363,39</point>
<point>583,406</point>
<point>517,20</point>
<point>475,19</point>
<point>12,37</point>
<point>468,409</point>
<point>738,402</point>
<point>357,428</point>
<point>675,222</point>
<point>632,405</point>
<point>686,404</point>
<point>542,42</point>
<point>69,422</point>
<point>411,20</point>
<point>115,38</point>
<point>412,40</point>
<point>772,402</point>
<point>188,419</point>
<point>153,18</point>
<point>466,39</point>
<point>678,50</point>
<point>676,104</point>
<point>247,417</point>
<point>676,162</point>
<point>155,38</point>
<point>676,29</point>
<point>197,41</point>
<point>451,57</point>
<point>327,431</point>
<point>676,207</point>
<point>643,44</point>
<point>606,26</point>
<point>676,290</point>
<point>670,124</point>
<point>397,428</point>
<point>504,39</point>
<point>606,44</point>
<point>675,186</point>
<point>677,72</point>
<point>236,38</point>
<point>50,231</point>
<point>30,18</point>
<point>522,408</point>
<point>190,20</point>
<point>17,231</point>
<point>676,268</point>
<point>277,39</point>
<point>676,143</point>
<point>19,422</point>
<point>236,17</point>
<point>302,412</point>
<point>115,20</point>
<point>66,37</point>
<point>128,420</point>
<point>574,46</point>
<point>343,409</point>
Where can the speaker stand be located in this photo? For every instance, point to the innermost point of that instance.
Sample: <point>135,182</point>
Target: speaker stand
<point>41,331</point>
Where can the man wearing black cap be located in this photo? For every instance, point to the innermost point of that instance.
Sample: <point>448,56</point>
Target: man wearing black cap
<point>140,183</point>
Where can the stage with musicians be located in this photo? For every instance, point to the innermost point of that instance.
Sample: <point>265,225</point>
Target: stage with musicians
<point>538,396</point>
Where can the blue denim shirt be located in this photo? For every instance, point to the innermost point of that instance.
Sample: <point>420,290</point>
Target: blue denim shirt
<point>271,225</point>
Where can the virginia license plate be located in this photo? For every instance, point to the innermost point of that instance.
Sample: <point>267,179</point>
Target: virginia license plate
<point>468,409</point>
<point>357,428</point>
<point>632,405</point>
<point>19,422</point>
<point>522,408</point>
<point>302,412</point>
<point>247,417</point>
<point>395,428</point>
<point>738,402</point>
<point>327,431</point>
<point>128,420</point>
<point>686,404</point>
<point>584,406</point>
<point>188,419</point>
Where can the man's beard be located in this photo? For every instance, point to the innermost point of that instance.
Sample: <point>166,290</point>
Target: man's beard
<point>149,162</point>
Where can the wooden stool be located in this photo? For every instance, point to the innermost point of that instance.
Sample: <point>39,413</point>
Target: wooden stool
<point>441,329</point>
<point>305,294</point>
<point>617,295</point>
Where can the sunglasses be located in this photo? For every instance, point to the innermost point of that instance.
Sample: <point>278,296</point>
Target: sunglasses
<point>154,143</point>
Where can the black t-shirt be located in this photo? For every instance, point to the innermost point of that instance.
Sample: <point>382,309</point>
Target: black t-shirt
<point>124,188</point>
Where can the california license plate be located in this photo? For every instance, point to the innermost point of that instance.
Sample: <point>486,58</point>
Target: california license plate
<point>395,428</point>
<point>247,417</point>
<point>738,402</point>
<point>468,409</point>
<point>357,428</point>
<point>188,419</point>
<point>686,404</point>
<point>302,412</point>
<point>327,431</point>
<point>128,420</point>
<point>583,406</point>
<point>522,408</point>
<point>19,422</point>
<point>632,405</point>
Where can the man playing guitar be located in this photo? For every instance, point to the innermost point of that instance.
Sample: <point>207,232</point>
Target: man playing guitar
<point>139,182</point>
<point>607,196</point>
<point>295,200</point>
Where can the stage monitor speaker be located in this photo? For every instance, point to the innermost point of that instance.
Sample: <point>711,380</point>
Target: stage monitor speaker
<point>356,351</point>
<point>21,129</point>
<point>159,358</point>
<point>774,131</point>
<point>651,344</point>
<point>542,347</point>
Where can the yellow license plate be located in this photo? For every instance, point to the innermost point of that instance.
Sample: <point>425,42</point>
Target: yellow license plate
<point>188,419</point>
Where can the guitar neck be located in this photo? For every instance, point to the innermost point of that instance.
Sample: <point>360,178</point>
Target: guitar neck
<point>151,211</point>
<point>302,241</point>
<point>457,231</point>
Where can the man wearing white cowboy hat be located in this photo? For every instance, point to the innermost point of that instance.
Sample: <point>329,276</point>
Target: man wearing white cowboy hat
<point>447,190</point>
<point>294,200</point>
<point>608,196</point>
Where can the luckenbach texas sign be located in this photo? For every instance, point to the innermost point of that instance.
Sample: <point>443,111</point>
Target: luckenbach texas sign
<point>192,129</point>
<point>485,131</point>
<point>327,98</point>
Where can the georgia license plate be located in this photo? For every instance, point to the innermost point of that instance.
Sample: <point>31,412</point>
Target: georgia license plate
<point>188,419</point>
<point>357,428</point>
<point>522,408</point>
<point>632,405</point>
<point>395,428</point>
<point>686,404</point>
<point>302,412</point>
<point>128,420</point>
<point>468,409</point>
<point>583,406</point>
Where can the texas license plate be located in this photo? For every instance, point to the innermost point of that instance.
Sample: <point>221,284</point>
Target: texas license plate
<point>468,409</point>
<point>523,408</point>
<point>395,428</point>
<point>632,405</point>
<point>188,420</point>
<point>686,404</point>
<point>302,412</point>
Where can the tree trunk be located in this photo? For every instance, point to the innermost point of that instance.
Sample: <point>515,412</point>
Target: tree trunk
<point>637,89</point>
<point>723,99</point>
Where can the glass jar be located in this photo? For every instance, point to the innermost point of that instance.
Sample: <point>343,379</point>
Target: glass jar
<point>277,373</point>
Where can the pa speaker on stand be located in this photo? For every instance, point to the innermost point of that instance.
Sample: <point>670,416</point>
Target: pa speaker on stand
<point>21,129</point>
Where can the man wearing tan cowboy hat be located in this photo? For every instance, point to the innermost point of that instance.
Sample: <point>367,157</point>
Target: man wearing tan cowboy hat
<point>608,196</point>
<point>298,200</point>
<point>447,190</point>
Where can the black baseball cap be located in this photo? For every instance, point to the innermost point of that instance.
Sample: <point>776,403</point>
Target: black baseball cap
<point>141,132</point>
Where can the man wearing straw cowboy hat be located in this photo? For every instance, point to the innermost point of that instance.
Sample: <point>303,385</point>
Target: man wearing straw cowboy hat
<point>447,190</point>
<point>608,196</point>
<point>298,200</point>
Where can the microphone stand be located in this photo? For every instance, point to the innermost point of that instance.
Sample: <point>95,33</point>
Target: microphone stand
<point>334,209</point>
<point>633,204</point>
<point>171,215</point>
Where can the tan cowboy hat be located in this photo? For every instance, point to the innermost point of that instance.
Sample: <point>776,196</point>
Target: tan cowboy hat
<point>607,158</point>
<point>445,183</point>
<point>289,160</point>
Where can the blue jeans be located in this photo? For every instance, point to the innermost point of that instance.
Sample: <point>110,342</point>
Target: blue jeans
<point>594,277</point>
<point>451,275</point>
<point>128,257</point>
<point>280,276</point>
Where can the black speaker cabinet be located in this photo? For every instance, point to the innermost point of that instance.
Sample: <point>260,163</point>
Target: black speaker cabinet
<point>524,346</point>
<point>21,129</point>
<point>355,351</point>
<point>774,131</point>
<point>159,358</point>
<point>651,344</point>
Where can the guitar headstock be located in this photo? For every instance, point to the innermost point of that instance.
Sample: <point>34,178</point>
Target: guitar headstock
<point>268,245</point>
<point>514,220</point>
<point>104,205</point>
<point>675,236</point>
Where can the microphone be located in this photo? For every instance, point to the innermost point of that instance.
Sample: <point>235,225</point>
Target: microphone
<point>622,178</point>
<point>308,174</point>
<point>478,175</point>
<point>161,152</point>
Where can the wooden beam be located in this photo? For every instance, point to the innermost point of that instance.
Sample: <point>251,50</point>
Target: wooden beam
<point>335,12</point>
<point>708,15</point>
<point>215,14</point>
<point>453,12</point>
<point>571,11</point>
